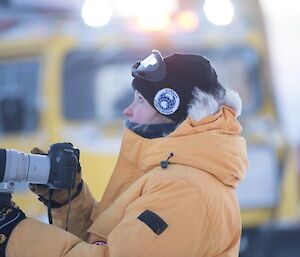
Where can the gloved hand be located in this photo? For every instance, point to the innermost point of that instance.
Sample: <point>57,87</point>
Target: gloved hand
<point>10,217</point>
<point>59,196</point>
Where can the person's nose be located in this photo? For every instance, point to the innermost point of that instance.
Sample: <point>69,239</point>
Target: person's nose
<point>128,112</point>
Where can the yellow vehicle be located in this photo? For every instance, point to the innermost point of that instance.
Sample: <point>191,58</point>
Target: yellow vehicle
<point>59,87</point>
<point>32,113</point>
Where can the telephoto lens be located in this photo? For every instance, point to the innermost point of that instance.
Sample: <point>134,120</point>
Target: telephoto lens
<point>18,166</point>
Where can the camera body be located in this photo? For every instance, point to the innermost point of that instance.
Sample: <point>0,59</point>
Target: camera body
<point>57,169</point>
<point>64,163</point>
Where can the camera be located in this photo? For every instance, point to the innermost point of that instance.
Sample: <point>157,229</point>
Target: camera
<point>57,169</point>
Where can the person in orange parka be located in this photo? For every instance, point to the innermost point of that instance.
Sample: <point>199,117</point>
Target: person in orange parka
<point>173,190</point>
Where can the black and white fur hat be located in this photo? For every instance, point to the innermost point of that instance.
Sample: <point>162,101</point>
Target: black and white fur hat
<point>190,88</point>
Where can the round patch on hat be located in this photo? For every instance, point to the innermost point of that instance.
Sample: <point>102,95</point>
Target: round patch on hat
<point>166,101</point>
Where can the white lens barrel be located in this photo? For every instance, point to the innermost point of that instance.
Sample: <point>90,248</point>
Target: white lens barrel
<point>39,169</point>
<point>32,168</point>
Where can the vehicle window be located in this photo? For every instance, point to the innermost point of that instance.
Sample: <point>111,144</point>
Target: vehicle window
<point>95,87</point>
<point>113,90</point>
<point>78,86</point>
<point>19,80</point>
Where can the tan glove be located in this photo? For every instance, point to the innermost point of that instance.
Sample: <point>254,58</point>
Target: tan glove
<point>59,196</point>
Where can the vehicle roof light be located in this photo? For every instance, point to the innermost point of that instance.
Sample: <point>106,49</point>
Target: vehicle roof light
<point>219,12</point>
<point>96,13</point>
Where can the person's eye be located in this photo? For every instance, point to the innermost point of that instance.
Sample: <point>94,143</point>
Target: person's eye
<point>140,99</point>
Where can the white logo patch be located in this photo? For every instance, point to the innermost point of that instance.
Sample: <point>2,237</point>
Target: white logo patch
<point>166,101</point>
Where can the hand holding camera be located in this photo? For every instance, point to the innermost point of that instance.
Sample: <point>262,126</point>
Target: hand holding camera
<point>59,196</point>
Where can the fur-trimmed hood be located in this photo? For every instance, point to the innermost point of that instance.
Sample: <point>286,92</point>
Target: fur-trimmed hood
<point>204,105</point>
<point>213,145</point>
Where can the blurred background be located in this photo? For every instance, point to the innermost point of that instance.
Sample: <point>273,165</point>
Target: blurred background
<point>65,76</point>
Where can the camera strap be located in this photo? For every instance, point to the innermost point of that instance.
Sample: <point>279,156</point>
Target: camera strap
<point>49,206</point>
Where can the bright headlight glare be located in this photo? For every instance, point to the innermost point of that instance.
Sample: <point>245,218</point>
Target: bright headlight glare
<point>96,13</point>
<point>219,12</point>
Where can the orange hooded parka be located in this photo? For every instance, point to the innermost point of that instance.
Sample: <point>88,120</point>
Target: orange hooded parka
<point>187,209</point>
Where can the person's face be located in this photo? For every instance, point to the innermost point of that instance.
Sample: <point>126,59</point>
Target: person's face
<point>140,111</point>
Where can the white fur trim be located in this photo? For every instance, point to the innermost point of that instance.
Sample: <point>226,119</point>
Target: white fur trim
<point>204,105</point>
<point>232,100</point>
